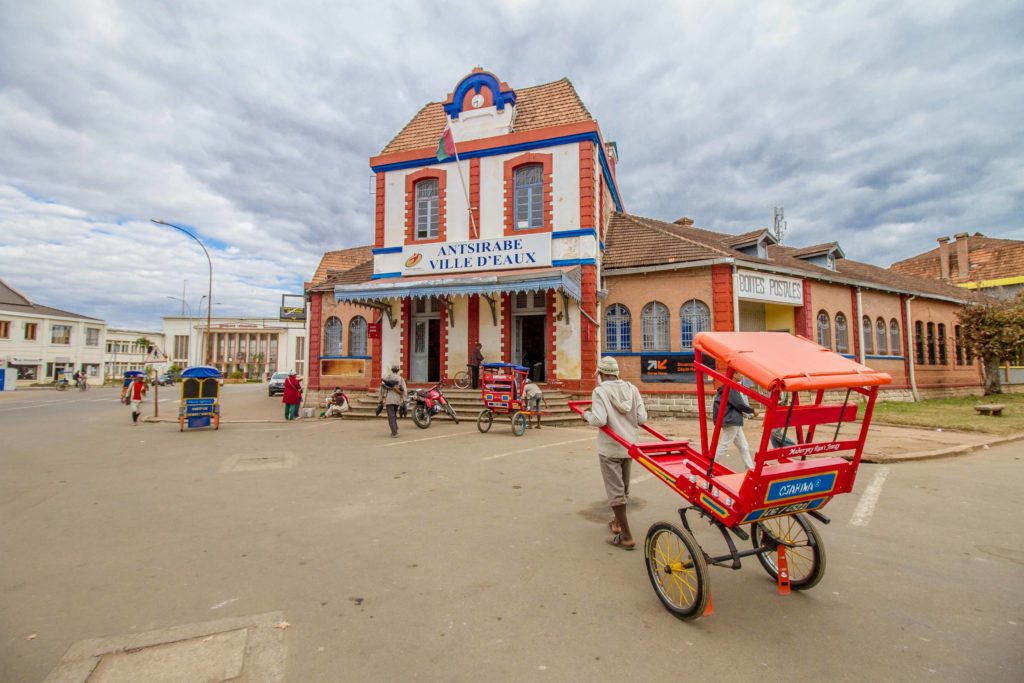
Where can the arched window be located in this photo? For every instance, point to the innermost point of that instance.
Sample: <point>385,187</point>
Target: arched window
<point>824,330</point>
<point>654,319</point>
<point>842,334</point>
<point>867,334</point>
<point>895,343</point>
<point>958,342</point>
<point>357,336</point>
<point>880,336</point>
<point>919,342</point>
<point>695,317</point>
<point>529,193</point>
<point>618,335</point>
<point>931,343</point>
<point>332,337</point>
<point>427,216</point>
<point>942,345</point>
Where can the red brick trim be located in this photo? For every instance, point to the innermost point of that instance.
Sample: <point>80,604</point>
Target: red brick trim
<point>721,298</point>
<point>443,364</point>
<point>410,204</point>
<point>856,323</point>
<point>474,196</point>
<point>376,350</point>
<point>552,369</point>
<point>510,168</point>
<point>315,332</point>
<point>406,322</point>
<point>378,228</point>
<point>473,331</point>
<point>803,318</point>
<point>589,331</point>
<point>588,204</point>
<point>506,327</point>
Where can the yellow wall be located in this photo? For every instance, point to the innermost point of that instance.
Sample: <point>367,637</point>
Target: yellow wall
<point>778,317</point>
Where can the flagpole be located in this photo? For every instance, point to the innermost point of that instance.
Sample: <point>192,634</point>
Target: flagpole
<point>458,165</point>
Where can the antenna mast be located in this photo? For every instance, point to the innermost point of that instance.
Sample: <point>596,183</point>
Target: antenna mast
<point>779,225</point>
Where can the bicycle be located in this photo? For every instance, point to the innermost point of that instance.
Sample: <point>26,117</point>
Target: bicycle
<point>461,379</point>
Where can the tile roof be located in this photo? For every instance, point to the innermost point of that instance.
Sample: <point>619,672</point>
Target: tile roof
<point>334,263</point>
<point>16,302</point>
<point>637,242</point>
<point>990,258</point>
<point>815,249</point>
<point>539,106</point>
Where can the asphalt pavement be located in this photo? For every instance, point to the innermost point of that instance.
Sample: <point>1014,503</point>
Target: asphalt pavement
<point>450,555</point>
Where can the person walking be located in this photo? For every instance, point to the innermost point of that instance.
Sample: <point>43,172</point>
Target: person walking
<point>291,396</point>
<point>393,393</point>
<point>736,406</point>
<point>476,357</point>
<point>616,404</point>
<point>136,390</point>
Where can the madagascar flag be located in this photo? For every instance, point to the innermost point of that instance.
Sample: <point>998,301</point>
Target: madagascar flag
<point>446,145</point>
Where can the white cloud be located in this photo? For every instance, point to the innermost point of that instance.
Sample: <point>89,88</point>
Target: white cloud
<point>881,125</point>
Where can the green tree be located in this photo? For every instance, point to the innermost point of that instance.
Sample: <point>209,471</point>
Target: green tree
<point>994,332</point>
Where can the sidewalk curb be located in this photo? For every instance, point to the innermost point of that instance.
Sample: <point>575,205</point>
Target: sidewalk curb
<point>942,452</point>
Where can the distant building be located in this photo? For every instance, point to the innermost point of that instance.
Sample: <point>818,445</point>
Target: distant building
<point>991,265</point>
<point>251,345</point>
<point>123,352</point>
<point>38,340</point>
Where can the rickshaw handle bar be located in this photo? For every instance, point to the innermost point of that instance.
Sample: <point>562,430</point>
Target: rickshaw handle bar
<point>579,406</point>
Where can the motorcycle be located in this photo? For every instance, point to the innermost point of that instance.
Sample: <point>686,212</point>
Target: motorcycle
<point>425,403</point>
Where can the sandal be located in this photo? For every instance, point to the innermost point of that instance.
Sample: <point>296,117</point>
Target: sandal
<point>617,541</point>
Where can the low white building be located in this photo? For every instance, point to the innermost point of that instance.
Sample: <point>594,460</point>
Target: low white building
<point>38,340</point>
<point>124,352</point>
<point>251,345</point>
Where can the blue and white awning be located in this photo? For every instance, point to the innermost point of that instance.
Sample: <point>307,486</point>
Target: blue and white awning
<point>565,279</point>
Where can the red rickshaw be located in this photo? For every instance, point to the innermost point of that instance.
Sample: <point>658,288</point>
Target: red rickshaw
<point>501,388</point>
<point>784,488</point>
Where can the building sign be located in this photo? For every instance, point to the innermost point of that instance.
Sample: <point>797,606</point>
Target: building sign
<point>293,307</point>
<point>373,330</point>
<point>670,368</point>
<point>522,251</point>
<point>755,286</point>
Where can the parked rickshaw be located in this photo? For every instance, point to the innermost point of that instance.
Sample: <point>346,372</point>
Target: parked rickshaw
<point>200,398</point>
<point>783,489</point>
<point>501,388</point>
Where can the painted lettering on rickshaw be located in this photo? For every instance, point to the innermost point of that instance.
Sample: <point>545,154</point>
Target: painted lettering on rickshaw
<point>493,254</point>
<point>804,486</point>
<point>813,449</point>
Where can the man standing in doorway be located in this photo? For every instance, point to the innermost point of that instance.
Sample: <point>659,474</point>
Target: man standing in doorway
<point>136,391</point>
<point>616,404</point>
<point>475,359</point>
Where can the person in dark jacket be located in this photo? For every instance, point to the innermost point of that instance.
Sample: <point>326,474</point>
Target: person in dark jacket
<point>736,407</point>
<point>476,357</point>
<point>291,396</point>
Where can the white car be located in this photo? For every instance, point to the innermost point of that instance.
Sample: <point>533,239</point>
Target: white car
<point>276,385</point>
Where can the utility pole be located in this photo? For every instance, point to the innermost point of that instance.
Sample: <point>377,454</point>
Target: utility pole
<point>779,225</point>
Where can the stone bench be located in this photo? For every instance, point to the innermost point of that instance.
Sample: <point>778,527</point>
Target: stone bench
<point>991,409</point>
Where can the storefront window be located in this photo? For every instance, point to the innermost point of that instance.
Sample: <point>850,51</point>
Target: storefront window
<point>880,336</point>
<point>427,216</point>
<point>867,335</point>
<point>842,334</point>
<point>895,345</point>
<point>824,330</point>
<point>694,316</point>
<point>332,337</point>
<point>654,319</point>
<point>529,188</point>
<point>618,335</point>
<point>357,336</point>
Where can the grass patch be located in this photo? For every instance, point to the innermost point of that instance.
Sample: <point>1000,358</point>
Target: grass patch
<point>956,413</point>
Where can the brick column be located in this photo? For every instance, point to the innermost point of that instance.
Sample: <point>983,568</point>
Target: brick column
<point>405,331</point>
<point>803,319</point>
<point>506,327</point>
<point>473,331</point>
<point>378,237</point>
<point>721,298</point>
<point>444,341</point>
<point>855,323</point>
<point>376,349</point>
<point>474,196</point>
<point>552,360</point>
<point>589,333</point>
<point>588,205</point>
<point>315,331</point>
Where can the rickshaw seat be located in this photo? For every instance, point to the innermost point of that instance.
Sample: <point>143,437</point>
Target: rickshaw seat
<point>730,483</point>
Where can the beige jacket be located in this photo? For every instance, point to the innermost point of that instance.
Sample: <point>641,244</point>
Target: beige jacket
<point>396,396</point>
<point>618,405</point>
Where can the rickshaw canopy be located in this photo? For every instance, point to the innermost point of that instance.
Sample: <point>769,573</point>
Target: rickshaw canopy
<point>201,372</point>
<point>786,362</point>
<point>131,374</point>
<point>513,366</point>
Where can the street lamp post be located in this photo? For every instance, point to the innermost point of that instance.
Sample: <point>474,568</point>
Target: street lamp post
<point>210,287</point>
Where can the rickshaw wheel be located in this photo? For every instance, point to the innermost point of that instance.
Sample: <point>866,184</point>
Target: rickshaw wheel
<point>677,569</point>
<point>421,415</point>
<point>484,420</point>
<point>519,423</point>
<point>806,557</point>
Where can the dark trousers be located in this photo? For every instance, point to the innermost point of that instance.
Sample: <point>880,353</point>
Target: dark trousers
<point>474,373</point>
<point>393,419</point>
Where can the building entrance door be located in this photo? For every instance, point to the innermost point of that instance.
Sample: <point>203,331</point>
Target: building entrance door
<point>425,358</point>
<point>528,344</point>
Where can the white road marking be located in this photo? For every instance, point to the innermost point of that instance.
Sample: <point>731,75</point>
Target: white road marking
<point>536,448</point>
<point>866,506</point>
<point>642,477</point>
<point>42,404</point>
<point>226,602</point>
<point>402,443</point>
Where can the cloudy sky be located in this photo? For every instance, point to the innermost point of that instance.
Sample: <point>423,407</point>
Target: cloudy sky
<point>879,124</point>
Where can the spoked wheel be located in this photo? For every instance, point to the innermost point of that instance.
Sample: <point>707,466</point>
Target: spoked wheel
<point>678,572</point>
<point>805,551</point>
<point>451,412</point>
<point>461,380</point>
<point>519,423</point>
<point>484,420</point>
<point>421,415</point>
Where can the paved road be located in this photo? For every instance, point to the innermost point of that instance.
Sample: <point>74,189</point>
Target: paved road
<point>452,555</point>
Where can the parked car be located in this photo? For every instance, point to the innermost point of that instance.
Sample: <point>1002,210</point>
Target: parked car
<point>276,385</point>
<point>163,379</point>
